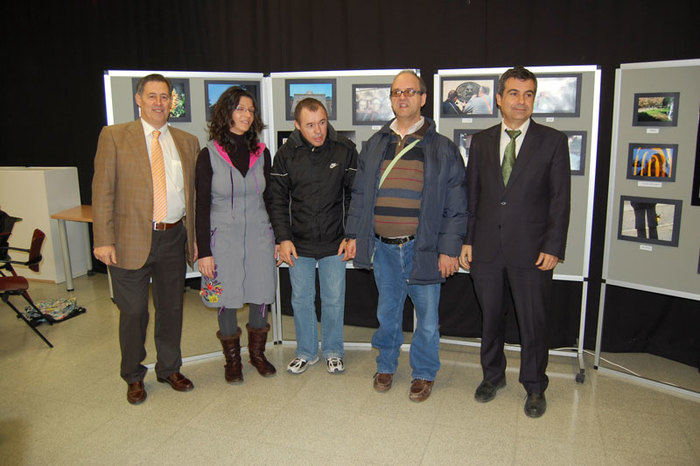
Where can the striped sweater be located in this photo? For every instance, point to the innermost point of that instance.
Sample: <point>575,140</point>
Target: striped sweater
<point>399,198</point>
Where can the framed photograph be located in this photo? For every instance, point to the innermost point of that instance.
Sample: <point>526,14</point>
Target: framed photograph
<point>656,109</point>
<point>577,151</point>
<point>282,137</point>
<point>463,139</point>
<point>371,104</point>
<point>214,89</point>
<point>180,110</point>
<point>468,97</point>
<point>323,90</point>
<point>652,162</point>
<point>558,95</point>
<point>650,220</point>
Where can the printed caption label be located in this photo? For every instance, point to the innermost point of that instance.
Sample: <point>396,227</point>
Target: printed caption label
<point>649,184</point>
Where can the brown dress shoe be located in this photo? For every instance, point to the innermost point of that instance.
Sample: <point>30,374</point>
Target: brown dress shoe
<point>383,381</point>
<point>136,393</point>
<point>233,372</point>
<point>178,381</point>
<point>420,390</point>
<point>257,337</point>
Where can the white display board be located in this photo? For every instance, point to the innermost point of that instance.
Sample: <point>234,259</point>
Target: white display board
<point>572,105</point>
<point>568,99</point>
<point>652,238</point>
<point>196,91</point>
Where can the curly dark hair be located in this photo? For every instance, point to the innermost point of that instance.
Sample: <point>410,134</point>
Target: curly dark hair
<point>222,120</point>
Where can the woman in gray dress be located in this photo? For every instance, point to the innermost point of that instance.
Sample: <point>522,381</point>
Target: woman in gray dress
<point>234,237</point>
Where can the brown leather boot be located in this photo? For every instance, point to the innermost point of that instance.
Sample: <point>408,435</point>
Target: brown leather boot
<point>232,352</point>
<point>257,337</point>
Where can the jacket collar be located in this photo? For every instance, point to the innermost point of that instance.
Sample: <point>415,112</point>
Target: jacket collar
<point>386,129</point>
<point>297,140</point>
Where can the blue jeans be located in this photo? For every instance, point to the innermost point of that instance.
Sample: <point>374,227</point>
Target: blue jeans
<point>331,274</point>
<point>392,266</point>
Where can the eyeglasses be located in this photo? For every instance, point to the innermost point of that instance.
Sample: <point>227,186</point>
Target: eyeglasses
<point>241,109</point>
<point>407,92</point>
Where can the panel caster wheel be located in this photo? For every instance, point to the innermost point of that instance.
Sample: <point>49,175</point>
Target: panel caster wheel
<point>580,378</point>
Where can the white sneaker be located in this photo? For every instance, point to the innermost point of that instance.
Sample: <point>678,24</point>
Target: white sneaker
<point>299,365</point>
<point>335,365</point>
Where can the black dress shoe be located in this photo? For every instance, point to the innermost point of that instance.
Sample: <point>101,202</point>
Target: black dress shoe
<point>535,404</point>
<point>486,391</point>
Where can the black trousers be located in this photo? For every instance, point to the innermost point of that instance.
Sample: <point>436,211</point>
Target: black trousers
<point>530,288</point>
<point>165,266</point>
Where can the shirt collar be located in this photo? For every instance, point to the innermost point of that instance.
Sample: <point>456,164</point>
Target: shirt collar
<point>148,129</point>
<point>523,128</point>
<point>414,127</point>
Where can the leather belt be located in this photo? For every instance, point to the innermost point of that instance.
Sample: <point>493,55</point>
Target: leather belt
<point>399,240</point>
<point>165,226</point>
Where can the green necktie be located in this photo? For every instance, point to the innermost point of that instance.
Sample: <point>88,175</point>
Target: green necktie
<point>509,155</point>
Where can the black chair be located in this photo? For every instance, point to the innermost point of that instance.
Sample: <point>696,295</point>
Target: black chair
<point>13,284</point>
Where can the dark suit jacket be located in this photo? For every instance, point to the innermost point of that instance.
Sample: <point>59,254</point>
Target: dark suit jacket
<point>531,214</point>
<point>122,191</point>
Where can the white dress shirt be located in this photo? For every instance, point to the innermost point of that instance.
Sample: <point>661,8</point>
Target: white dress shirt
<point>174,180</point>
<point>505,139</point>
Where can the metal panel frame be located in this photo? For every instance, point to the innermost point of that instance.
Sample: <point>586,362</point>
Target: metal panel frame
<point>611,234</point>
<point>591,161</point>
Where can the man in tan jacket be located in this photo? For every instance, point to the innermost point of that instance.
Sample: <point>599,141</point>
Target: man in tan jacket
<point>143,208</point>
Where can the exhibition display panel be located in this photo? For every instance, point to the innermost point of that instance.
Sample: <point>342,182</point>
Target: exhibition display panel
<point>194,93</point>
<point>567,99</point>
<point>358,105</point>
<point>653,218</point>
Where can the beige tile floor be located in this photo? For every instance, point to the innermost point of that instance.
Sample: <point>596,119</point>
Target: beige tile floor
<point>67,406</point>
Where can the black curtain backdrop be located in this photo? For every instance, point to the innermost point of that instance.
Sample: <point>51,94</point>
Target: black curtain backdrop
<point>55,54</point>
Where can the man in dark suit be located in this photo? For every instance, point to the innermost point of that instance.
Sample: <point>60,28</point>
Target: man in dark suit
<point>519,199</point>
<point>143,207</point>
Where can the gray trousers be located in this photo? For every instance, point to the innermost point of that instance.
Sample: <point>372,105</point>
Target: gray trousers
<point>165,266</point>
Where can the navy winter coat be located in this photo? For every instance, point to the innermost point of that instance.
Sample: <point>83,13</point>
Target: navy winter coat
<point>442,221</point>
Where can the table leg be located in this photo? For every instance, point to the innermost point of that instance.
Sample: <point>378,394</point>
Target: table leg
<point>63,236</point>
<point>88,249</point>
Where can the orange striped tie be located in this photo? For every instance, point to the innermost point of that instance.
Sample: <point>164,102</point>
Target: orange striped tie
<point>160,197</point>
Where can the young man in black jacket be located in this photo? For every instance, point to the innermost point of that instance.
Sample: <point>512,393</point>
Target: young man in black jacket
<point>310,186</point>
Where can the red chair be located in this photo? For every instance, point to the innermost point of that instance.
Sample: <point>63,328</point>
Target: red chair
<point>12,285</point>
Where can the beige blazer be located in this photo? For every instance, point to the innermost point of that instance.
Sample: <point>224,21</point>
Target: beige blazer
<point>122,191</point>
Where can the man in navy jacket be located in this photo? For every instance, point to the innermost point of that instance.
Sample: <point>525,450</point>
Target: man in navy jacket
<point>407,220</point>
